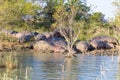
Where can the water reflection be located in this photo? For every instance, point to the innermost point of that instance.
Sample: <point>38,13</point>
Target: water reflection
<point>49,67</point>
<point>118,75</point>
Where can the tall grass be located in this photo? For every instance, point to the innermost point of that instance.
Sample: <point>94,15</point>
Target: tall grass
<point>8,60</point>
<point>9,68</point>
<point>16,74</point>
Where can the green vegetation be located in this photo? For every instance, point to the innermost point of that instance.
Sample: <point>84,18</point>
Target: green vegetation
<point>10,68</point>
<point>71,15</point>
<point>12,12</point>
<point>21,15</point>
<point>67,21</point>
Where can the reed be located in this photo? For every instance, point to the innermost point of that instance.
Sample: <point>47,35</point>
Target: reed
<point>16,75</point>
<point>8,60</point>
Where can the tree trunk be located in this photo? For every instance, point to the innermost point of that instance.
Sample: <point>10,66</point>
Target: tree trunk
<point>70,53</point>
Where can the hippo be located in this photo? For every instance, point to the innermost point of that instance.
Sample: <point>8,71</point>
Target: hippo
<point>34,33</point>
<point>55,46</point>
<point>40,37</point>
<point>106,39</point>
<point>9,32</point>
<point>57,34</point>
<point>58,44</point>
<point>42,46</point>
<point>83,46</point>
<point>24,36</point>
<point>98,44</point>
<point>65,32</point>
<point>104,42</point>
<point>48,34</point>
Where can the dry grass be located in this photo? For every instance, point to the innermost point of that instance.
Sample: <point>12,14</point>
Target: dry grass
<point>16,74</point>
<point>8,60</point>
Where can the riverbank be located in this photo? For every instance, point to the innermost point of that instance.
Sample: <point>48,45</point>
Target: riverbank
<point>110,52</point>
<point>54,42</point>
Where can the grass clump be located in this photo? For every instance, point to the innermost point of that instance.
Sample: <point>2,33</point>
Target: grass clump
<point>16,74</point>
<point>8,60</point>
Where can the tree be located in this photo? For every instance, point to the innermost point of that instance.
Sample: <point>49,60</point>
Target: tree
<point>116,20</point>
<point>65,20</point>
<point>49,9</point>
<point>12,11</point>
<point>97,19</point>
<point>45,17</point>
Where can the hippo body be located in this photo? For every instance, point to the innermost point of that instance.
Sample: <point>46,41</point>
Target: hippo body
<point>59,44</point>
<point>104,42</point>
<point>54,45</point>
<point>40,37</point>
<point>24,36</point>
<point>98,44</point>
<point>106,39</point>
<point>65,32</point>
<point>42,46</point>
<point>83,46</point>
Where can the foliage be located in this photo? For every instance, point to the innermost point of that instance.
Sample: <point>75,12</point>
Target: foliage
<point>116,3</point>
<point>22,15</point>
<point>65,20</point>
<point>12,11</point>
<point>97,17</point>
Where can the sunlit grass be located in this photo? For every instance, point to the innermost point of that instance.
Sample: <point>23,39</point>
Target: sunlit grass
<point>8,60</point>
<point>9,68</point>
<point>16,74</point>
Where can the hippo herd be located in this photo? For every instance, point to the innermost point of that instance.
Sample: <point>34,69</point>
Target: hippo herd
<point>54,41</point>
<point>98,43</point>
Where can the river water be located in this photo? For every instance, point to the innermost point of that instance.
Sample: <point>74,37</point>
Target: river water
<point>84,67</point>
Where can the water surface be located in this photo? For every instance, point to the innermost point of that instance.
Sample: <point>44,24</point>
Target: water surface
<point>84,67</point>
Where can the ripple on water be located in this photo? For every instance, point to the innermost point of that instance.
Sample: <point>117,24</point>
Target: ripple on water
<point>84,67</point>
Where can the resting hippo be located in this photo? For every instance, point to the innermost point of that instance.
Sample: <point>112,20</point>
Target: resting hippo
<point>24,36</point>
<point>40,37</point>
<point>56,45</point>
<point>57,34</point>
<point>98,44</point>
<point>65,31</point>
<point>106,39</point>
<point>59,44</point>
<point>48,34</point>
<point>42,46</point>
<point>83,46</point>
<point>103,42</point>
